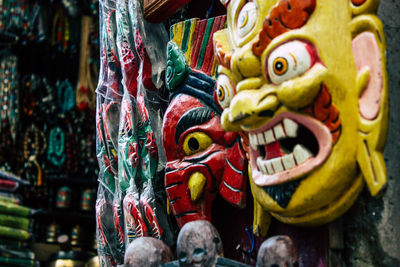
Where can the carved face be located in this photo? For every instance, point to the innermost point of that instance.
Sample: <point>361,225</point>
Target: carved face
<point>199,244</point>
<point>147,251</point>
<point>202,159</point>
<point>197,167</point>
<point>311,96</point>
<point>278,251</point>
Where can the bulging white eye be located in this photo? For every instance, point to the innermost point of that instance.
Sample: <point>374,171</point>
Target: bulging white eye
<point>247,19</point>
<point>225,91</point>
<point>288,61</point>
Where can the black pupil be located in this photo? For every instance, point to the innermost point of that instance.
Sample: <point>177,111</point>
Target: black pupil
<point>220,93</point>
<point>193,144</point>
<point>279,66</point>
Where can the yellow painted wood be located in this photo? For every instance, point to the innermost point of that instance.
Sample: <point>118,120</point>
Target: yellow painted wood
<point>330,189</point>
<point>197,182</point>
<point>188,53</point>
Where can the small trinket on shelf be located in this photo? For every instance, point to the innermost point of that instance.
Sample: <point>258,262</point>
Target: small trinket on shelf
<point>64,197</point>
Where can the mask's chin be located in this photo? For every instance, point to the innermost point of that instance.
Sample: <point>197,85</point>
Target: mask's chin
<point>328,212</point>
<point>287,147</point>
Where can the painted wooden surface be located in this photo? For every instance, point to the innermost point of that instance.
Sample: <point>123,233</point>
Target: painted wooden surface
<point>315,138</point>
<point>202,159</point>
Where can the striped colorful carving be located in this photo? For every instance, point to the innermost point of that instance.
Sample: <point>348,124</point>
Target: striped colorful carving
<point>194,37</point>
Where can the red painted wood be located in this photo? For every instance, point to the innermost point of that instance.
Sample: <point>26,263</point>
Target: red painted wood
<point>209,54</point>
<point>197,45</point>
<point>212,163</point>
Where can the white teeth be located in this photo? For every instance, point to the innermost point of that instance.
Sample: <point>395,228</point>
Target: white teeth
<point>288,162</point>
<point>301,153</point>
<point>278,130</point>
<point>253,141</point>
<point>269,137</point>
<point>261,166</point>
<point>269,167</point>
<point>286,128</point>
<point>290,127</point>
<point>260,138</point>
<point>277,164</point>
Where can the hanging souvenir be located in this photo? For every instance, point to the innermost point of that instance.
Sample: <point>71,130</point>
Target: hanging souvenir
<point>151,43</point>
<point>56,149</point>
<point>312,98</point>
<point>144,214</point>
<point>110,232</point>
<point>202,159</point>
<point>127,144</point>
<point>9,94</point>
<point>85,95</point>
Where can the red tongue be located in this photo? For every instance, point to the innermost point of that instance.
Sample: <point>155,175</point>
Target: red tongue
<point>273,150</point>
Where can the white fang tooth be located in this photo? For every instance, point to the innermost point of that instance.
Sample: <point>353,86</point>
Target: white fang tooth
<point>279,133</point>
<point>260,138</point>
<point>269,167</point>
<point>270,172</point>
<point>277,164</point>
<point>253,141</point>
<point>290,127</point>
<point>261,166</point>
<point>301,154</point>
<point>269,137</point>
<point>288,162</point>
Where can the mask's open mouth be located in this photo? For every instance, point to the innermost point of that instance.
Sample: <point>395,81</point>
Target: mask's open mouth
<point>287,147</point>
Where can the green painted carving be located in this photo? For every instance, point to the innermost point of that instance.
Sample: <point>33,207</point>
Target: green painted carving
<point>177,68</point>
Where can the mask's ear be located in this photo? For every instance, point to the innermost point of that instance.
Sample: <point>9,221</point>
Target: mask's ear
<point>359,7</point>
<point>369,56</point>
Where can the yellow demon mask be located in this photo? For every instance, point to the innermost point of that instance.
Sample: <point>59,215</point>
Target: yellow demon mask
<point>306,81</point>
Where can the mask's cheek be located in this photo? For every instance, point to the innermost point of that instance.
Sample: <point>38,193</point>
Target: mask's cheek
<point>186,204</point>
<point>300,92</point>
<point>234,184</point>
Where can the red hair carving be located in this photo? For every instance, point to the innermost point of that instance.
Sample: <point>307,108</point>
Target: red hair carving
<point>287,15</point>
<point>323,110</point>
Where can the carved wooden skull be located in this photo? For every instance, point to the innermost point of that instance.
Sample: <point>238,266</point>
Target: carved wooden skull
<point>147,251</point>
<point>199,244</point>
<point>277,251</point>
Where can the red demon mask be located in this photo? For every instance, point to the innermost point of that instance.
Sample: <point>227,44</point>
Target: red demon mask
<point>202,160</point>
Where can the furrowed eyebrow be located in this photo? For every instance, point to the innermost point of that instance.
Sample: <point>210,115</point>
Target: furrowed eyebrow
<point>193,117</point>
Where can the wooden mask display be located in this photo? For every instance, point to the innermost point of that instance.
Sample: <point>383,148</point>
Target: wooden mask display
<point>202,159</point>
<point>306,81</point>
